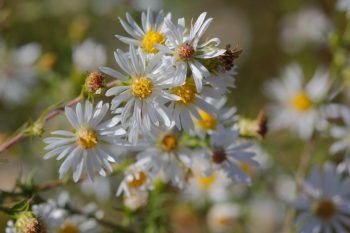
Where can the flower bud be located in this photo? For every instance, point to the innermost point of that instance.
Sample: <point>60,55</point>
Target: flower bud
<point>256,128</point>
<point>94,83</point>
<point>28,223</point>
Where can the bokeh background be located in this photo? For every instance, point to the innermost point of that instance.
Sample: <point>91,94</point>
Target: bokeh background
<point>47,47</point>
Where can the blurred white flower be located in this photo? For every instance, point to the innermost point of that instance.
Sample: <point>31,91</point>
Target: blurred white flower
<point>135,200</point>
<point>100,188</point>
<point>299,106</point>
<point>324,203</point>
<point>285,188</point>
<point>200,188</point>
<point>89,56</point>
<point>222,217</point>
<point>309,25</point>
<point>342,134</point>
<point>227,154</point>
<point>264,214</point>
<point>18,73</point>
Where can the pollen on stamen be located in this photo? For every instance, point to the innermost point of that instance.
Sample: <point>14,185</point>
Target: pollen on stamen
<point>207,122</point>
<point>187,92</point>
<point>169,142</point>
<point>185,52</point>
<point>142,88</point>
<point>301,102</point>
<point>86,138</point>
<point>150,39</point>
<point>138,180</point>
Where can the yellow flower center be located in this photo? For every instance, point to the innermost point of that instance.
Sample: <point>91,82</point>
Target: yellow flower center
<point>168,142</point>
<point>185,52</point>
<point>246,168</point>
<point>138,181</point>
<point>86,138</point>
<point>187,92</point>
<point>207,121</point>
<point>205,181</point>
<point>142,88</point>
<point>301,102</point>
<point>150,39</point>
<point>69,228</point>
<point>325,209</point>
<point>224,221</point>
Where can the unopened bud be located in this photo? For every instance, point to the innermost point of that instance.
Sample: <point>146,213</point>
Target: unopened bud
<point>256,128</point>
<point>95,82</point>
<point>28,223</point>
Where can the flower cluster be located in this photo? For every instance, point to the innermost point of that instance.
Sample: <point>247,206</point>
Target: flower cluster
<point>167,109</point>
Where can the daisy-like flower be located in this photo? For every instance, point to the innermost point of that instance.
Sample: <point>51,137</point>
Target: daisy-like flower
<point>88,144</point>
<point>144,91</point>
<point>151,33</point>
<point>324,202</point>
<point>135,180</point>
<point>18,73</point>
<point>191,103</point>
<point>209,122</point>
<point>186,50</point>
<point>222,217</point>
<point>89,56</point>
<point>299,106</point>
<point>202,188</point>
<point>135,200</point>
<point>226,154</point>
<point>167,158</point>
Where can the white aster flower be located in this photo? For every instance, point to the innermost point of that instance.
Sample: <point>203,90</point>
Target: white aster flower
<point>344,5</point>
<point>324,202</point>
<point>17,72</point>
<point>145,90</point>
<point>88,145</point>
<point>226,154</point>
<point>49,214</point>
<point>191,103</point>
<point>222,82</point>
<point>307,26</point>
<point>222,217</point>
<point>186,50</point>
<point>167,158</point>
<point>201,188</point>
<point>151,33</point>
<point>100,188</point>
<point>89,56</point>
<point>11,227</point>
<point>136,179</point>
<point>208,123</point>
<point>299,106</point>
<point>135,200</point>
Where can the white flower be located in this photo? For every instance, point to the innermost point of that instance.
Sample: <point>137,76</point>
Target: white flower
<point>191,103</point>
<point>88,145</point>
<point>49,214</point>
<point>135,200</point>
<point>299,106</point>
<point>208,123</point>
<point>222,217</point>
<point>144,91</point>
<point>324,202</point>
<point>342,133</point>
<point>100,188</point>
<point>186,50</point>
<point>200,188</point>
<point>89,56</point>
<point>306,26</point>
<point>135,180</point>
<point>227,154</point>
<point>11,227</point>
<point>151,33</point>
<point>167,157</point>
<point>222,82</point>
<point>17,72</point>
<point>344,5</point>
